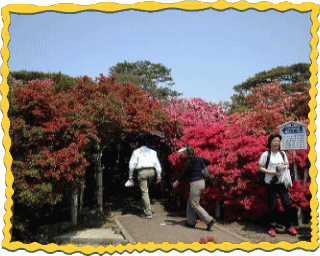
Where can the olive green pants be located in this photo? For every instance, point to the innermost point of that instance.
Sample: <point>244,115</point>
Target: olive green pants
<point>194,208</point>
<point>145,179</point>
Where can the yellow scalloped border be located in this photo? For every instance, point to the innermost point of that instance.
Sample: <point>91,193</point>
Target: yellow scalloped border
<point>154,6</point>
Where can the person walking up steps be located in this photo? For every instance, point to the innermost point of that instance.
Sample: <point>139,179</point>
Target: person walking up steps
<point>193,168</point>
<point>146,163</point>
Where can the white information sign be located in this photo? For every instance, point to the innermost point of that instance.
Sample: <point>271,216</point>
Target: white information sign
<point>294,136</point>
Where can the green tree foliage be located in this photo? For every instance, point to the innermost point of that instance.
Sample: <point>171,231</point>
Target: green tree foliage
<point>285,75</point>
<point>146,75</point>
<point>61,81</point>
<point>25,76</point>
<point>294,78</point>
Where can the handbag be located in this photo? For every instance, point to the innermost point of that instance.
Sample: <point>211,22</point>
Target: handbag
<point>287,178</point>
<point>205,171</point>
<point>209,181</point>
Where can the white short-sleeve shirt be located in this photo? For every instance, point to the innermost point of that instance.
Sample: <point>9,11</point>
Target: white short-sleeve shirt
<point>275,159</point>
<point>144,157</point>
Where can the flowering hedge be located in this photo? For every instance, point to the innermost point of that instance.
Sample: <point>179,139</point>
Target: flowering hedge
<point>188,113</point>
<point>54,135</point>
<point>49,141</point>
<point>271,107</point>
<point>234,144</point>
<point>234,156</point>
<point>300,196</point>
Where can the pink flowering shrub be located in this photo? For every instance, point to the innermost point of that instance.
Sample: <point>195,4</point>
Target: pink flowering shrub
<point>195,111</point>
<point>188,113</point>
<point>233,145</point>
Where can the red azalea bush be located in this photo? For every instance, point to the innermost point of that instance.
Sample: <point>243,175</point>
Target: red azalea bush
<point>234,144</point>
<point>300,196</point>
<point>117,109</point>
<point>271,107</point>
<point>234,159</point>
<point>54,135</point>
<point>48,143</point>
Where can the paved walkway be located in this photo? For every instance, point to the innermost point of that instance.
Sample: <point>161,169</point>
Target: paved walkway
<point>165,228</point>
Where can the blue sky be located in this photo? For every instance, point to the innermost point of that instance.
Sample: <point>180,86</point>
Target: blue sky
<point>207,51</point>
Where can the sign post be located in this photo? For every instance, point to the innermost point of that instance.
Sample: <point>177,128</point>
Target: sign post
<point>294,137</point>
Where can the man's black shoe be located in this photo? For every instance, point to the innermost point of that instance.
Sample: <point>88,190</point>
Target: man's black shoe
<point>190,225</point>
<point>210,224</point>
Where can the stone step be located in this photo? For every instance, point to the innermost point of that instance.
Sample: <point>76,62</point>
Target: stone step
<point>95,237</point>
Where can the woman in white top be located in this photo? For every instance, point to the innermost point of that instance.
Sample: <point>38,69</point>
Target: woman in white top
<point>277,179</point>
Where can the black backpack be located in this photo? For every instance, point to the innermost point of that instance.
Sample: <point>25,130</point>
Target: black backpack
<point>261,174</point>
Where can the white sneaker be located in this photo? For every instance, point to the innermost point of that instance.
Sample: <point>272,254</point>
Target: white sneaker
<point>146,216</point>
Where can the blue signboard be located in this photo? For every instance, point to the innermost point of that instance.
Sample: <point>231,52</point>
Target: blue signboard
<point>292,129</point>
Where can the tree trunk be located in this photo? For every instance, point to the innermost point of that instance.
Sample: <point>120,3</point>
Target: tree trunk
<point>74,208</point>
<point>100,188</point>
<point>81,198</point>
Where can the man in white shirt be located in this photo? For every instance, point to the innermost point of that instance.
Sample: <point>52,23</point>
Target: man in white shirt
<point>145,161</point>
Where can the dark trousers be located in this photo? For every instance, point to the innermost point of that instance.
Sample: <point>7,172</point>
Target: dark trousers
<point>273,191</point>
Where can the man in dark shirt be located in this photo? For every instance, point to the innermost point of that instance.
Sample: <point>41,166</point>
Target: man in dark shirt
<point>193,169</point>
